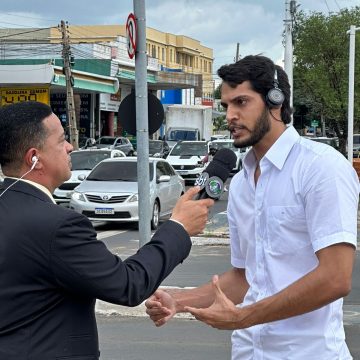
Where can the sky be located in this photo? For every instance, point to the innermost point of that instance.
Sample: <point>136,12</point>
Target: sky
<point>257,25</point>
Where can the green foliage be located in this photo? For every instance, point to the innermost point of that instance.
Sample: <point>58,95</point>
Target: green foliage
<point>220,123</point>
<point>217,92</point>
<point>321,66</point>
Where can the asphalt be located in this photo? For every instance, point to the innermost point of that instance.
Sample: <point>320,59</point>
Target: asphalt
<point>216,232</point>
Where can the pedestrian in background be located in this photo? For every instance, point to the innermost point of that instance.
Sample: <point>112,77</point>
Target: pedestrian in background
<point>52,267</point>
<point>292,214</point>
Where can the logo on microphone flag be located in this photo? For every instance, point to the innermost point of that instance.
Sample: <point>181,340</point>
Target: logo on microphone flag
<point>214,187</point>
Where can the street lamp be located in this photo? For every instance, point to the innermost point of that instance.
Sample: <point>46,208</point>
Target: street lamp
<point>351,32</point>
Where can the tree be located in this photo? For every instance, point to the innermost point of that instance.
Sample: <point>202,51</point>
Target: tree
<point>321,62</point>
<point>217,92</point>
<point>220,123</point>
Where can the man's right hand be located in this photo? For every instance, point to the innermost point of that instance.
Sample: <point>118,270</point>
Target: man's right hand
<point>161,307</point>
<point>193,214</point>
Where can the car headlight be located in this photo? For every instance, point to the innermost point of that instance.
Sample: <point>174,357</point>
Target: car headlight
<point>78,196</point>
<point>133,198</point>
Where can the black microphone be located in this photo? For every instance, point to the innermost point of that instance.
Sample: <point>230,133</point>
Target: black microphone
<point>212,179</point>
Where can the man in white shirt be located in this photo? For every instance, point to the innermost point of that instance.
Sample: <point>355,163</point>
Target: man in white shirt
<point>292,215</point>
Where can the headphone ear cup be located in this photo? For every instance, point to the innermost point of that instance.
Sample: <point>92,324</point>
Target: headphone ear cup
<point>274,98</point>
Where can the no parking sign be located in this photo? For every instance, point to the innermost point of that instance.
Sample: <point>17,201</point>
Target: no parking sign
<point>131,34</point>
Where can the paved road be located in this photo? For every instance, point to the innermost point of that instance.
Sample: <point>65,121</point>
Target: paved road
<point>126,334</point>
<point>126,331</point>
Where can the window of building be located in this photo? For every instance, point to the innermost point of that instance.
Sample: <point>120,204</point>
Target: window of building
<point>171,55</point>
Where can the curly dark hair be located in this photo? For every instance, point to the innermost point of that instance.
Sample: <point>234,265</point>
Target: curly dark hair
<point>21,128</point>
<point>259,71</point>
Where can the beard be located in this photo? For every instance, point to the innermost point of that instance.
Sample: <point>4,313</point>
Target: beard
<point>261,128</point>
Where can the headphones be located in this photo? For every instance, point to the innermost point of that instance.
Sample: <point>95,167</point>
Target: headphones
<point>34,160</point>
<point>275,97</point>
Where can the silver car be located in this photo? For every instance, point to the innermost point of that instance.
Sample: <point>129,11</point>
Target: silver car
<point>110,192</point>
<point>116,142</point>
<point>82,162</point>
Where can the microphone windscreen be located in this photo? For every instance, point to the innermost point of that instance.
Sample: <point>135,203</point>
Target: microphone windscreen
<point>223,162</point>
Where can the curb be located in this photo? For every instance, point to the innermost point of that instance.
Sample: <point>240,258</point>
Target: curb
<point>351,312</point>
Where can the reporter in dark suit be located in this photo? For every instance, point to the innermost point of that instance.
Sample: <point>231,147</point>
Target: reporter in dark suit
<point>52,267</point>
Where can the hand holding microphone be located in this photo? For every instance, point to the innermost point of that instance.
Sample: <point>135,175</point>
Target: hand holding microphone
<point>212,179</point>
<point>192,214</point>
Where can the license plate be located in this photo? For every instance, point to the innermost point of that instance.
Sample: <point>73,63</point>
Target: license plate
<point>182,172</point>
<point>102,211</point>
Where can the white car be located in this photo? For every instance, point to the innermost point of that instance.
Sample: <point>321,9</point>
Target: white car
<point>110,192</point>
<point>83,161</point>
<point>186,158</point>
<point>229,144</point>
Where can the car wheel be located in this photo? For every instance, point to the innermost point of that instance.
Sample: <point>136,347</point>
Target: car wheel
<point>155,216</point>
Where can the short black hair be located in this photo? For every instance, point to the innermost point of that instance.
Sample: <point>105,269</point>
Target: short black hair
<point>259,71</point>
<point>21,128</point>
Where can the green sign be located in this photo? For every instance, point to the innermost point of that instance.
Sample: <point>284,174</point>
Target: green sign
<point>314,123</point>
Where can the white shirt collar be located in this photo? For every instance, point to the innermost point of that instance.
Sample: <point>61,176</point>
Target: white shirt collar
<point>278,152</point>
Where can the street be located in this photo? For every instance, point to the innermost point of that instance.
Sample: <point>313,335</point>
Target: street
<point>126,333</point>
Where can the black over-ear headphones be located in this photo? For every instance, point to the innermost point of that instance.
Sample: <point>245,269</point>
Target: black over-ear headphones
<point>275,97</point>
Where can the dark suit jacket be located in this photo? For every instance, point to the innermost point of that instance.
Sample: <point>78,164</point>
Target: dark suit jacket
<point>52,268</point>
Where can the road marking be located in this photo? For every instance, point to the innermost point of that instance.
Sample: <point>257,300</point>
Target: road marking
<point>109,233</point>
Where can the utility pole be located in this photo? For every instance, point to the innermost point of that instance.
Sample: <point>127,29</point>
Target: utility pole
<point>237,58</point>
<point>70,105</point>
<point>290,9</point>
<point>142,124</point>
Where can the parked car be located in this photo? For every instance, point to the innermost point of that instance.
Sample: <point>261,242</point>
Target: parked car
<point>158,148</point>
<point>334,141</point>
<point>110,192</point>
<point>186,156</point>
<point>229,144</point>
<point>116,142</point>
<point>82,161</point>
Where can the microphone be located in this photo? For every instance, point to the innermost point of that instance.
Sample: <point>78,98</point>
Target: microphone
<point>212,179</point>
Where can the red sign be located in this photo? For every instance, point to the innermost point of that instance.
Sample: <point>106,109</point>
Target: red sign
<point>131,34</point>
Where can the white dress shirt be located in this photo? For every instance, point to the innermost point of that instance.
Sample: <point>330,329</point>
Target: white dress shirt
<point>306,199</point>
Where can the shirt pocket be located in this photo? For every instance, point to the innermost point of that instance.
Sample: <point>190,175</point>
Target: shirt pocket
<point>287,229</point>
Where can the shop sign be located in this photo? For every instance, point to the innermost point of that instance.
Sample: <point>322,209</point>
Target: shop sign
<point>15,95</point>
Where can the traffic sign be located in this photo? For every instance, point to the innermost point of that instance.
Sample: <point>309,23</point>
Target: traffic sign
<point>314,123</point>
<point>131,34</point>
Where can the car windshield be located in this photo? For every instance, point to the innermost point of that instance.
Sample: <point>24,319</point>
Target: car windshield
<point>331,141</point>
<point>222,145</point>
<point>356,139</point>
<point>117,171</point>
<point>227,145</point>
<point>176,135</point>
<point>155,147</point>
<point>105,140</point>
<point>86,160</point>
<point>190,149</point>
